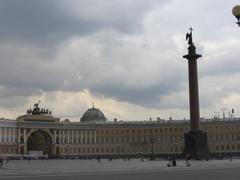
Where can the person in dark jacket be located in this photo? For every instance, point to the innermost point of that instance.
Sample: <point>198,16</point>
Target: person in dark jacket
<point>1,162</point>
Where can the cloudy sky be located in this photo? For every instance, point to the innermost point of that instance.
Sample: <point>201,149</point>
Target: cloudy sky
<point>123,55</point>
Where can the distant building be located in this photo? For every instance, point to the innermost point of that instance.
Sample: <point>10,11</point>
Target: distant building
<point>38,132</point>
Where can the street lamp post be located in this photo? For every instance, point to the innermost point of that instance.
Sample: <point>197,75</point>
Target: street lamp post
<point>236,13</point>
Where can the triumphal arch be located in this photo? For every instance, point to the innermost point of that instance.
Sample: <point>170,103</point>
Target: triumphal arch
<point>37,132</point>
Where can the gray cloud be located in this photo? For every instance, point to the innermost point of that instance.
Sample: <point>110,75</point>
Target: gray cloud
<point>122,49</point>
<point>50,21</point>
<point>27,68</point>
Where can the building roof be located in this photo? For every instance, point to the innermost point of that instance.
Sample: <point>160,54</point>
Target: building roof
<point>93,115</point>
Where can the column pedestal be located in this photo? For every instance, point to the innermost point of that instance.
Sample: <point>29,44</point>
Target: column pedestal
<point>196,144</point>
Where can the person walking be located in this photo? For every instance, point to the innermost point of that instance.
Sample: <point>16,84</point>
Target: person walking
<point>187,160</point>
<point>1,163</point>
<point>174,163</point>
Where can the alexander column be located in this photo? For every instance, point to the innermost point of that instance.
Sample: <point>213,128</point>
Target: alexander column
<point>195,140</point>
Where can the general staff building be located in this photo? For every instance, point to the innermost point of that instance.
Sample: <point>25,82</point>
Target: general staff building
<point>39,132</point>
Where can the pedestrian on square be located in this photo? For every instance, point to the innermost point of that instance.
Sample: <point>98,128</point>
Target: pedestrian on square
<point>98,159</point>
<point>1,162</point>
<point>231,157</point>
<point>169,162</point>
<point>174,163</point>
<point>187,160</point>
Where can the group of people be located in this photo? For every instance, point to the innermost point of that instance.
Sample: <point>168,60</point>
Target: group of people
<point>171,162</point>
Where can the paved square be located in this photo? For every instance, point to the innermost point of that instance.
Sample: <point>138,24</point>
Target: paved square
<point>90,169</point>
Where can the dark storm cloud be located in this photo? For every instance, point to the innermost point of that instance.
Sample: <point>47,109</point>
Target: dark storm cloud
<point>126,50</point>
<point>48,21</point>
<point>32,31</point>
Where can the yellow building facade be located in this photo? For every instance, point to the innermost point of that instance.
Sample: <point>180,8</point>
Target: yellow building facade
<point>39,133</point>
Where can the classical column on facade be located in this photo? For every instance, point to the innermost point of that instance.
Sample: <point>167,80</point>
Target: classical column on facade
<point>61,136</point>
<point>19,135</point>
<point>14,135</point>
<point>5,134</point>
<point>9,135</point>
<point>85,136</point>
<point>54,136</point>
<point>25,141</point>
<point>90,136</point>
<point>195,140</point>
<point>77,132</point>
<point>54,146</point>
<point>24,136</point>
<point>68,138</point>
<point>63,131</point>
<point>72,136</point>
<point>0,135</point>
<point>81,136</point>
<point>95,136</point>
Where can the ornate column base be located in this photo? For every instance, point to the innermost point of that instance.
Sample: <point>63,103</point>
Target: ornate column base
<point>196,145</point>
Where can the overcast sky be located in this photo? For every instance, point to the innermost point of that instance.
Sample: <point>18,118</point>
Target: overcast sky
<point>123,55</point>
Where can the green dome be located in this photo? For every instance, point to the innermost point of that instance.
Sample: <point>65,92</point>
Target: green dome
<point>93,115</point>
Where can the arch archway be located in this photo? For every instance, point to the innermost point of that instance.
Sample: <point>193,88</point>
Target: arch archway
<point>40,141</point>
